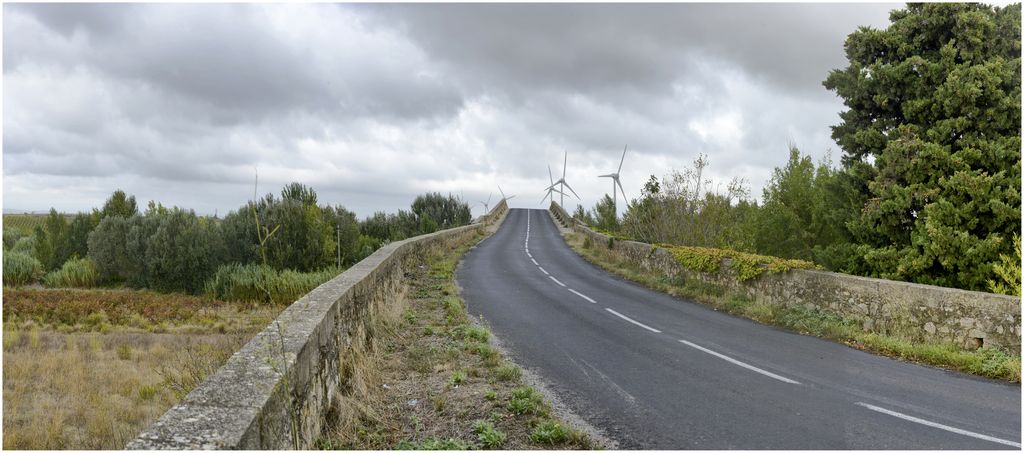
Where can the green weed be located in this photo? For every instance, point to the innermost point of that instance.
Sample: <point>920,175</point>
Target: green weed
<point>431,443</point>
<point>549,432</point>
<point>457,378</point>
<point>526,400</point>
<point>508,372</point>
<point>488,435</point>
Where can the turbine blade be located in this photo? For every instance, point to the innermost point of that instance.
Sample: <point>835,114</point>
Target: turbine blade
<point>606,176</point>
<point>624,198</point>
<point>551,179</point>
<point>623,158</point>
<point>545,197</point>
<point>573,191</point>
<point>565,161</point>
<point>510,197</point>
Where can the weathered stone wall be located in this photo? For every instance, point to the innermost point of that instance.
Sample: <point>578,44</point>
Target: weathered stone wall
<point>920,312</point>
<point>276,390</point>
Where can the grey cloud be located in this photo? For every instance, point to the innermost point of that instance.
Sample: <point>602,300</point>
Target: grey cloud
<point>646,46</point>
<point>373,104</point>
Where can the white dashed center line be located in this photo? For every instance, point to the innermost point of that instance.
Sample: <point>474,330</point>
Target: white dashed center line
<point>737,362</point>
<point>951,429</point>
<point>542,270</point>
<point>582,295</point>
<point>556,280</point>
<point>627,318</point>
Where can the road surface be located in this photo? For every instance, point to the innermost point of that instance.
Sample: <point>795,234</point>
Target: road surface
<point>657,372</point>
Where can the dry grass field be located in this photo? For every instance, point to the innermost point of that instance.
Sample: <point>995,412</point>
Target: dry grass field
<point>97,381</point>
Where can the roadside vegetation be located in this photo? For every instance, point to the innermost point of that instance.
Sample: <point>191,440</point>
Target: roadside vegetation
<point>928,187</point>
<point>89,369</point>
<point>269,251</point>
<point>987,361</point>
<point>436,382</point>
<point>112,316</point>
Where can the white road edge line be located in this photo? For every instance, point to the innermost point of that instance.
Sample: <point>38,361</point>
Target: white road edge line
<point>742,364</point>
<point>939,425</point>
<point>581,295</point>
<point>542,270</point>
<point>627,318</point>
<point>556,280</point>
<point>534,262</point>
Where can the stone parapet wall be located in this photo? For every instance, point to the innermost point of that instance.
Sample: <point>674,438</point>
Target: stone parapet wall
<point>919,312</point>
<point>275,391</point>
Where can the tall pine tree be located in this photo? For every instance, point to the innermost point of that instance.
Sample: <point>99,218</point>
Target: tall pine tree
<point>933,132</point>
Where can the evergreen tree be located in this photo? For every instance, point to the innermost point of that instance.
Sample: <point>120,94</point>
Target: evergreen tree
<point>932,137</point>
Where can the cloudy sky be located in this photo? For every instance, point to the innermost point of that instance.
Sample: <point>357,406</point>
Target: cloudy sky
<point>372,104</point>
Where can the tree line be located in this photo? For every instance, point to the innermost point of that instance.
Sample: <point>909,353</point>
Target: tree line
<point>928,188</point>
<point>173,249</point>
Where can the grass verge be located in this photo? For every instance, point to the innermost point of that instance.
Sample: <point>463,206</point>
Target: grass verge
<point>436,383</point>
<point>987,362</point>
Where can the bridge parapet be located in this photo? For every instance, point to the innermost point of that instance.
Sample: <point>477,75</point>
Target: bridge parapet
<point>920,312</point>
<point>275,392</point>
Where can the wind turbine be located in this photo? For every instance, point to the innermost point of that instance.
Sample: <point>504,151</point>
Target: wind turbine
<point>503,197</point>
<point>562,182</point>
<point>551,188</point>
<point>487,203</point>
<point>615,181</point>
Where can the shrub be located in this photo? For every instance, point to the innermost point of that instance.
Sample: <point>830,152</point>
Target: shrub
<point>747,266</point>
<point>182,252</point>
<point>21,269</point>
<point>110,251</point>
<point>25,244</point>
<point>258,283</point>
<point>75,273</point>
<point>11,236</point>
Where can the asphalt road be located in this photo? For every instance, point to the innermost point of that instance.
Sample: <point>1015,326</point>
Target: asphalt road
<point>657,372</point>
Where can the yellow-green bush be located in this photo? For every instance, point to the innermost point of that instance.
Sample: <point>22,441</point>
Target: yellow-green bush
<point>21,269</point>
<point>257,283</point>
<point>747,266</point>
<point>75,273</point>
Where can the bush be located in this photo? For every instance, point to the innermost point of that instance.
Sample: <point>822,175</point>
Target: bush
<point>257,283</point>
<point>75,273</point>
<point>109,249</point>
<point>21,269</point>
<point>25,245</point>
<point>182,252</point>
<point>11,236</point>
